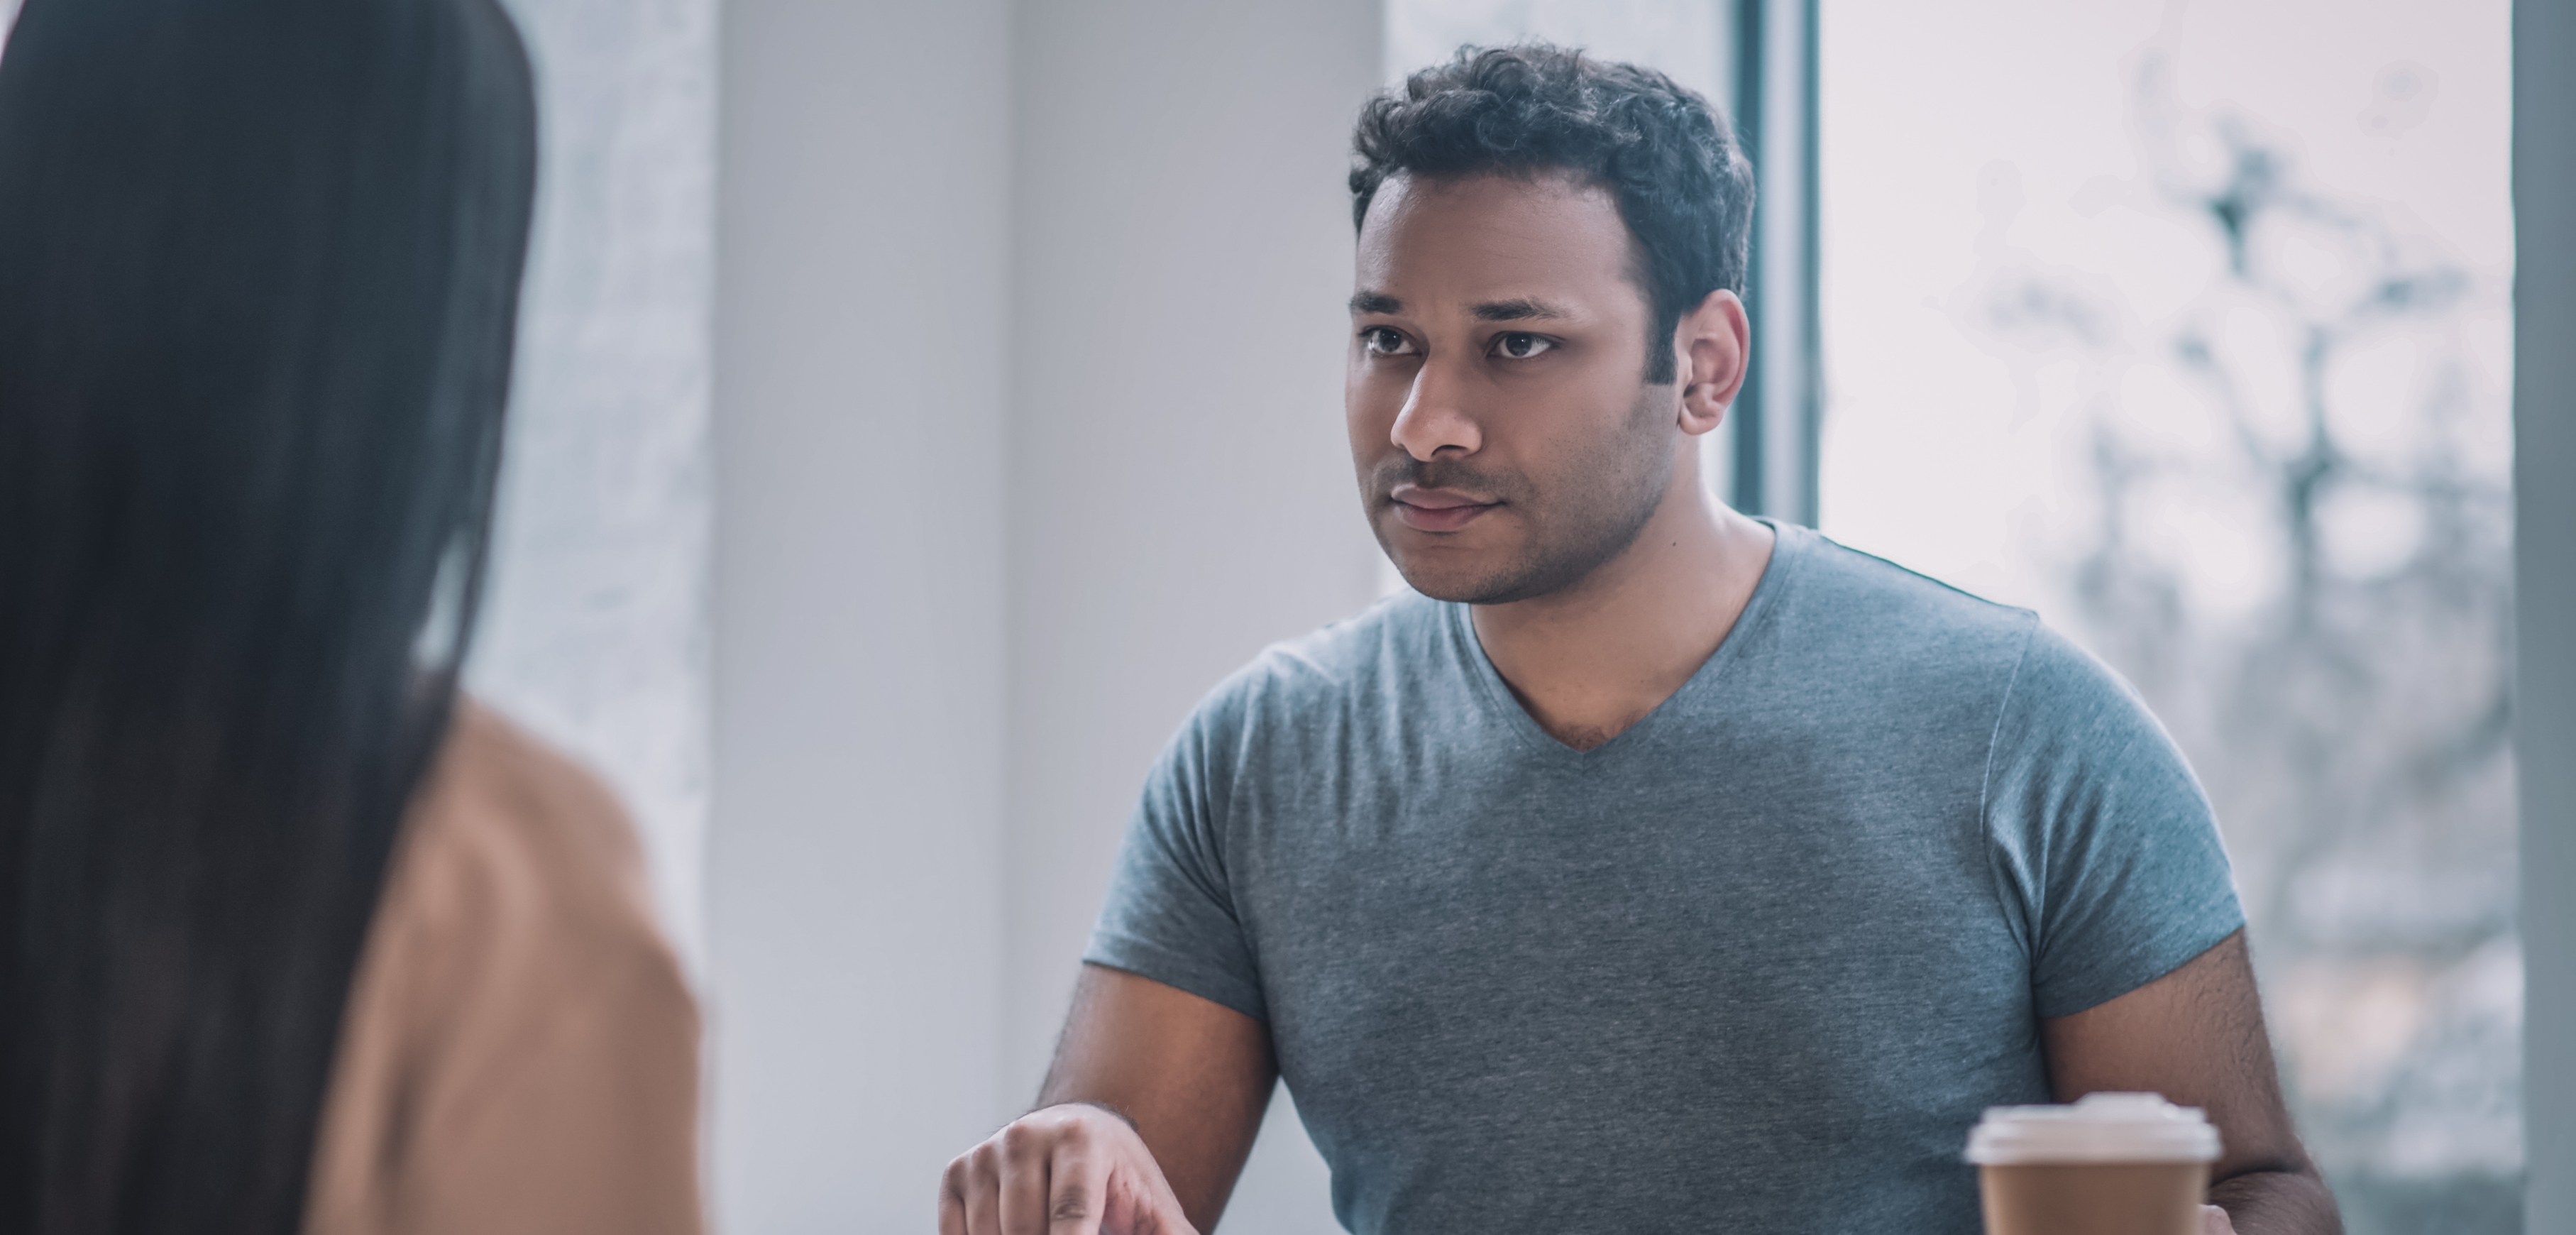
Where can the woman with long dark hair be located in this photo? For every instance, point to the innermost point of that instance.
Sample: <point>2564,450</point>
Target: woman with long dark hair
<point>291,938</point>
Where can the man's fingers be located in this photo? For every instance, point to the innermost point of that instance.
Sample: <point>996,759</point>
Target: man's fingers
<point>983,1190</point>
<point>952,1199</point>
<point>1061,1171</point>
<point>1162,1214</point>
<point>1023,1183</point>
<point>1077,1195</point>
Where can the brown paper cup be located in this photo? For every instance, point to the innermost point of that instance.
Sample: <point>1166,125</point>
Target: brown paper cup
<point>2112,1164</point>
<point>2126,1198</point>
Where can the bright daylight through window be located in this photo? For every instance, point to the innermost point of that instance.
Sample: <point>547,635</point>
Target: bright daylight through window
<point>2188,326</point>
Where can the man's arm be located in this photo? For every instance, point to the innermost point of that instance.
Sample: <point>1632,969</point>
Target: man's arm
<point>2196,1036</point>
<point>1144,1122</point>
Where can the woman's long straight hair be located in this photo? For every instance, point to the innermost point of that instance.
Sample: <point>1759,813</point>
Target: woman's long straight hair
<point>259,264</point>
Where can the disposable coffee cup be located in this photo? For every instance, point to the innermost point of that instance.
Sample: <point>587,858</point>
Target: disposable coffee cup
<point>2111,1164</point>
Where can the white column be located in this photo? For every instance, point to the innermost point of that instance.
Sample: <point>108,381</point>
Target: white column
<point>594,629</point>
<point>1181,490</point>
<point>2544,200</point>
<point>855,846</point>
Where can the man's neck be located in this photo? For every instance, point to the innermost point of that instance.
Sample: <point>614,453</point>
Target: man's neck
<point>1595,658</point>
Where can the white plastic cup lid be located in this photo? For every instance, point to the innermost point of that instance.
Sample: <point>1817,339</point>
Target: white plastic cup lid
<point>2102,1127</point>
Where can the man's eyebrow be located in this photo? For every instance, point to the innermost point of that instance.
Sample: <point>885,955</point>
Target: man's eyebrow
<point>1522,309</point>
<point>1376,302</point>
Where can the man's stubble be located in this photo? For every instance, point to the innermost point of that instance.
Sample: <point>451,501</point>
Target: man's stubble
<point>1596,509</point>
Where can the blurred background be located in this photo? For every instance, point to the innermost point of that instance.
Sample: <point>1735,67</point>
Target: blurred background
<point>2189,326</point>
<point>919,406</point>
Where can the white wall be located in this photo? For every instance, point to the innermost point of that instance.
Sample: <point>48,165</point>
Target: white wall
<point>594,632</point>
<point>1028,354</point>
<point>2545,535</point>
<point>1181,489</point>
<point>855,866</point>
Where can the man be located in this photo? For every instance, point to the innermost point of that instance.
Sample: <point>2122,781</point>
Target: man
<point>1652,868</point>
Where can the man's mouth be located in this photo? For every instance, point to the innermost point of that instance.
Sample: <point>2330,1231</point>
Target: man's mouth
<point>1437,510</point>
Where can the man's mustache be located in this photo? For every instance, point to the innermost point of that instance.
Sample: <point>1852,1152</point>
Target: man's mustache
<point>1450,474</point>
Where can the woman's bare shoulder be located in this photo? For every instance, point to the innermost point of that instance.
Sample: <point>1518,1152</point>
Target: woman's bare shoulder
<point>528,831</point>
<point>520,1050</point>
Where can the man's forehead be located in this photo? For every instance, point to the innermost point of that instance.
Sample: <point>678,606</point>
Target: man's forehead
<point>1490,239</point>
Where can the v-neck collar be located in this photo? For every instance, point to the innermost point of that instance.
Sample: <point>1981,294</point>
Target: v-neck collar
<point>1788,545</point>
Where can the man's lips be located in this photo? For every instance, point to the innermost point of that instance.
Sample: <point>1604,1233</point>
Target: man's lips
<point>1437,510</point>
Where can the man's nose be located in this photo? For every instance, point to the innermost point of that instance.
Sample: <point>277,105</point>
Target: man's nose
<point>1435,416</point>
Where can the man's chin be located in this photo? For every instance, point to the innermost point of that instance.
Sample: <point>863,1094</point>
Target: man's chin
<point>1437,588</point>
<point>1460,579</point>
<point>1433,573</point>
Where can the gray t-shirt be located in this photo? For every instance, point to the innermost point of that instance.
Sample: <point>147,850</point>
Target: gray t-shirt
<point>1755,964</point>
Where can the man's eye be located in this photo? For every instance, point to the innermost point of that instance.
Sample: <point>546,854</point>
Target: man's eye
<point>1521,346</point>
<point>1382,341</point>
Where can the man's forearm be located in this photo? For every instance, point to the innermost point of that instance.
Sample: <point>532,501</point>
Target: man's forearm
<point>2277,1203</point>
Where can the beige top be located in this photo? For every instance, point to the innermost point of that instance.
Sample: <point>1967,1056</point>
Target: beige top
<point>520,1053</point>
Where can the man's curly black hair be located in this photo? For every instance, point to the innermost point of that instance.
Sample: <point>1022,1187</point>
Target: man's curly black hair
<point>1664,152</point>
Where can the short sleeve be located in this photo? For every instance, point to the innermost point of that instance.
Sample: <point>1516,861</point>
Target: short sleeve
<point>1170,915</point>
<point>2107,855</point>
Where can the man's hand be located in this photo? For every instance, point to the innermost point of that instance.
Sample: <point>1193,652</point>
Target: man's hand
<point>1143,1124</point>
<point>2213,1221</point>
<point>1075,1169</point>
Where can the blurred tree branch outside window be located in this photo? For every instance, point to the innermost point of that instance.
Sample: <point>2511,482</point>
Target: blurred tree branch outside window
<point>2256,453</point>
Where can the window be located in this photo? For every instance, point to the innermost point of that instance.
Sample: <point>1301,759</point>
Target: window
<point>2189,327</point>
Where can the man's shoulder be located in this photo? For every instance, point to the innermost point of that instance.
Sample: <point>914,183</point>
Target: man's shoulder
<point>1919,631</point>
<point>1352,657</point>
<point>1882,616</point>
<point>1341,674</point>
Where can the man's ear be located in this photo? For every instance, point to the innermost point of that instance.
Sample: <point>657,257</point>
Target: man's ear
<point>1715,341</point>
